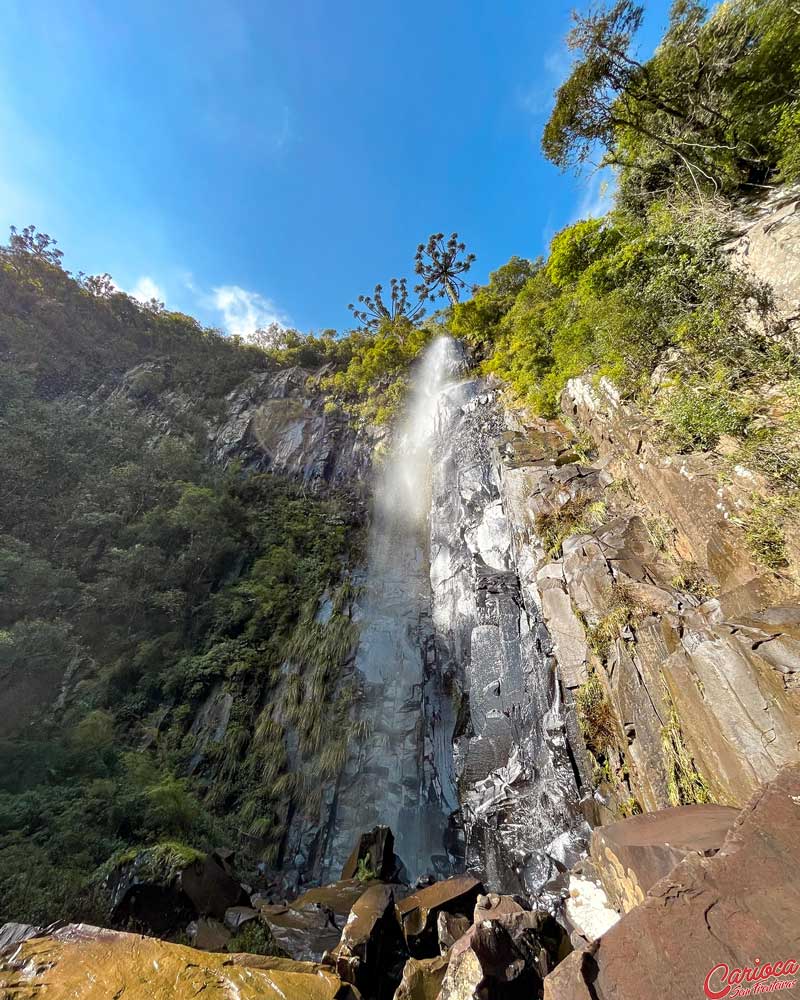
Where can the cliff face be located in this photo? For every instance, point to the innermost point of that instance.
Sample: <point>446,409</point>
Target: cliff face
<point>575,577</point>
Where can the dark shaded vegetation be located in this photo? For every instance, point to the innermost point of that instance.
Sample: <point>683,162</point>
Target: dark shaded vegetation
<point>150,579</point>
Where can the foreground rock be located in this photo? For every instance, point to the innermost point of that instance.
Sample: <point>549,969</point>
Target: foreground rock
<point>160,891</point>
<point>371,953</point>
<point>503,956</point>
<point>708,917</point>
<point>96,964</point>
<point>418,912</point>
<point>631,856</point>
<point>422,979</point>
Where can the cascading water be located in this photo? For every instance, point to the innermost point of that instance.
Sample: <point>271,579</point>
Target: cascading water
<point>463,753</point>
<point>401,774</point>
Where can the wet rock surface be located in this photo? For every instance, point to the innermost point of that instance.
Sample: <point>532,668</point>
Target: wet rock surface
<point>418,912</point>
<point>725,912</point>
<point>97,964</point>
<point>517,786</point>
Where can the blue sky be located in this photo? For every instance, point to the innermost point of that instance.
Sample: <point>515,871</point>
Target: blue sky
<point>255,160</point>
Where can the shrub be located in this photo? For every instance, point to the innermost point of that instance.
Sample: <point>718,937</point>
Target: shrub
<point>579,515</point>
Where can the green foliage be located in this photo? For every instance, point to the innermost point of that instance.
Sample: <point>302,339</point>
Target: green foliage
<point>623,609</point>
<point>255,938</point>
<point>596,718</point>
<point>685,784</point>
<point>579,515</point>
<point>712,110</point>
<point>619,295</point>
<point>373,384</point>
<point>364,873</point>
<point>698,411</point>
<point>764,530</point>
<point>152,579</point>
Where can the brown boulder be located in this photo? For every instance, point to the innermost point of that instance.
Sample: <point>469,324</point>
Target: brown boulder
<point>493,906</point>
<point>210,886</point>
<point>162,888</point>
<point>418,912</point>
<point>727,912</point>
<point>371,952</point>
<point>449,928</point>
<point>507,956</point>
<point>97,964</point>
<point>375,852</point>
<point>422,978</point>
<point>632,855</point>
<point>208,934</point>
<point>305,932</point>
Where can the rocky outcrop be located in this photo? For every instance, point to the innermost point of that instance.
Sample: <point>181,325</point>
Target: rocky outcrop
<point>709,919</point>
<point>419,911</point>
<point>96,964</point>
<point>517,786</point>
<point>160,892</point>
<point>632,855</point>
<point>505,956</point>
<point>638,563</point>
<point>278,422</point>
<point>371,953</point>
<point>765,245</point>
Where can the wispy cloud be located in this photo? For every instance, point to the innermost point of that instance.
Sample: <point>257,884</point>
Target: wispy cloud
<point>598,195</point>
<point>243,312</point>
<point>146,289</point>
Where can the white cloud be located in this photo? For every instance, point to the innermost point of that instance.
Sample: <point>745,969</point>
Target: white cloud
<point>244,312</point>
<point>598,196</point>
<point>146,289</point>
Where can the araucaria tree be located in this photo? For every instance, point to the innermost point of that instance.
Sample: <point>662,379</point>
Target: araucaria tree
<point>375,310</point>
<point>441,266</point>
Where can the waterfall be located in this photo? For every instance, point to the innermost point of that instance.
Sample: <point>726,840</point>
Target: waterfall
<point>401,772</point>
<point>458,685</point>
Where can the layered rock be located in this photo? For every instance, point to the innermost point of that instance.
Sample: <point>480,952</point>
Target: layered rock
<point>710,916</point>
<point>634,854</point>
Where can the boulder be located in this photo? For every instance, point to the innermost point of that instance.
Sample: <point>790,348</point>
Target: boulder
<point>96,964</point>
<point>507,956</point>
<point>632,855</point>
<point>709,918</point>
<point>493,906</point>
<point>371,953</point>
<point>304,931</point>
<point>162,889</point>
<point>449,928</point>
<point>237,916</point>
<point>418,912</point>
<point>338,897</point>
<point>422,978</point>
<point>375,851</point>
<point>208,934</point>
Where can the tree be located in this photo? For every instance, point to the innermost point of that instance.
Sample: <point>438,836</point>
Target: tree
<point>270,338</point>
<point>375,311</point>
<point>38,245</point>
<point>440,265</point>
<point>585,113</point>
